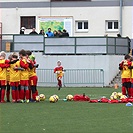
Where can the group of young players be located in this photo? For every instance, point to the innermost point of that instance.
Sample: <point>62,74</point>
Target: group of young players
<point>18,72</point>
<point>126,67</point>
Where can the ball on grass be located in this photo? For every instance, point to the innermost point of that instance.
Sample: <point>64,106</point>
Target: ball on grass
<point>123,97</point>
<point>119,94</point>
<point>42,97</point>
<point>53,99</point>
<point>69,97</point>
<point>56,97</point>
<point>37,99</point>
<point>111,97</point>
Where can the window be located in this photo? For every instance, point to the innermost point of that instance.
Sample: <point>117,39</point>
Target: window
<point>112,25</point>
<point>28,22</point>
<point>81,26</point>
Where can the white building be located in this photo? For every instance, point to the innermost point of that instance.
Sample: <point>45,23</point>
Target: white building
<point>81,18</point>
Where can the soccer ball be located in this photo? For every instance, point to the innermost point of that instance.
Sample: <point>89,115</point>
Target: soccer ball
<point>69,97</point>
<point>114,93</point>
<point>115,97</point>
<point>37,99</point>
<point>53,99</point>
<point>119,94</point>
<point>56,97</point>
<point>123,97</point>
<point>42,97</point>
<point>111,97</point>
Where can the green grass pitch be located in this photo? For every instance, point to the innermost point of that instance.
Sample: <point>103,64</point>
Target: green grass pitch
<point>67,117</point>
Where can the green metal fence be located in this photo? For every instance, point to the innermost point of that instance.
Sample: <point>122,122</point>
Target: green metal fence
<point>72,77</point>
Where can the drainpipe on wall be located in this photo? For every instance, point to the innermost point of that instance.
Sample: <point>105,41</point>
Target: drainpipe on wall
<point>50,8</point>
<point>121,5</point>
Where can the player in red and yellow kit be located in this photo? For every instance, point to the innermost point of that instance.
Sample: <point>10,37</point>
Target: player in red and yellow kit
<point>15,77</point>
<point>33,78</point>
<point>126,75</point>
<point>28,53</point>
<point>24,76</point>
<point>8,80</point>
<point>4,64</point>
<point>59,71</point>
<point>131,89</point>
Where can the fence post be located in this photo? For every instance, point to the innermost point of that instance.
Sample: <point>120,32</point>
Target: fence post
<point>103,76</point>
<point>13,44</point>
<point>115,45</point>
<point>75,45</point>
<point>106,45</point>
<point>44,45</point>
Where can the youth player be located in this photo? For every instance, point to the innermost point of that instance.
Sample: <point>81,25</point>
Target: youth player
<point>59,71</point>
<point>4,64</point>
<point>131,89</point>
<point>8,80</point>
<point>126,75</point>
<point>33,78</point>
<point>28,53</point>
<point>24,76</point>
<point>15,77</point>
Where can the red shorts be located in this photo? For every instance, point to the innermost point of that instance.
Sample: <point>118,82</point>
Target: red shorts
<point>3,82</point>
<point>126,80</point>
<point>24,82</point>
<point>33,80</point>
<point>16,84</point>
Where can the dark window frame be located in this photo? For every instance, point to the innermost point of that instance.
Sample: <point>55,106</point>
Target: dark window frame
<point>116,25</point>
<point>82,25</point>
<point>28,22</point>
<point>112,25</point>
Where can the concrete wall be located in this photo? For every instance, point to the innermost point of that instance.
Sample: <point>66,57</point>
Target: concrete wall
<point>109,63</point>
<point>94,12</point>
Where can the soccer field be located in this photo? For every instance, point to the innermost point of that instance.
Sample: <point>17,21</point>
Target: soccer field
<point>67,117</point>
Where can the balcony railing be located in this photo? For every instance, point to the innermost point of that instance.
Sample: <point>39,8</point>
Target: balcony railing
<point>66,46</point>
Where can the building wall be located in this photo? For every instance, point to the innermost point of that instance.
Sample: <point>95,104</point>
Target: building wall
<point>128,21</point>
<point>96,17</point>
<point>109,63</point>
<point>94,12</point>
